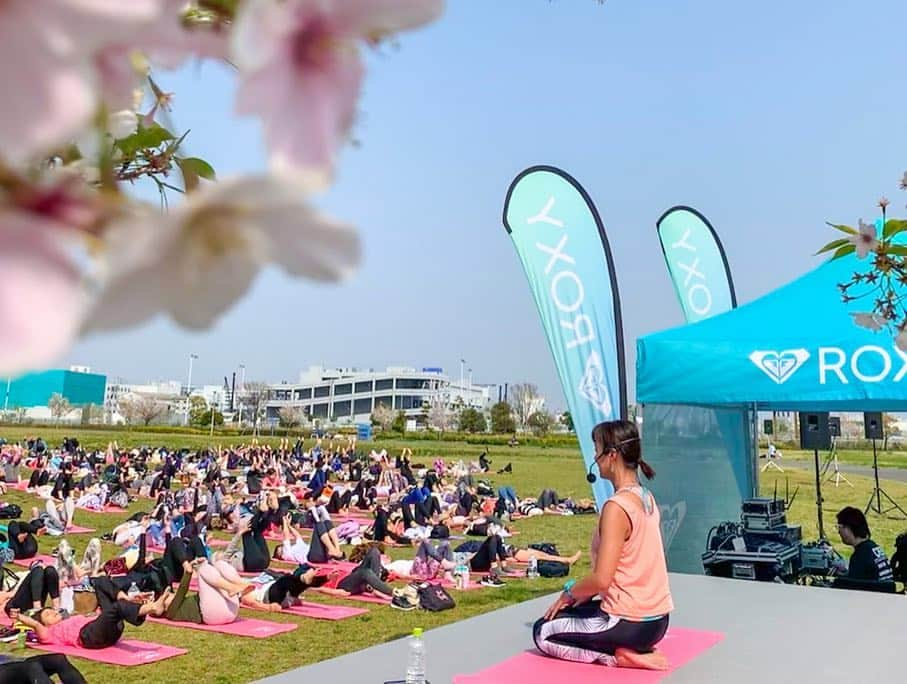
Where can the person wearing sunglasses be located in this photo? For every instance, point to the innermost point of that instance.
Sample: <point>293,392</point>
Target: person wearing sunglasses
<point>629,571</point>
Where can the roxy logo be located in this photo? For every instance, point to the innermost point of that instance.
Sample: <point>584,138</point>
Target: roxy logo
<point>567,294</point>
<point>696,290</point>
<point>868,364</point>
<point>779,365</point>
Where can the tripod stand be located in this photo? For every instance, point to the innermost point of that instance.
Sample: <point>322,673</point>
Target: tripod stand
<point>819,494</point>
<point>832,462</point>
<point>878,492</point>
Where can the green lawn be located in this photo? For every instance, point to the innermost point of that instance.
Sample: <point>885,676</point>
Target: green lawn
<point>894,458</point>
<point>219,658</point>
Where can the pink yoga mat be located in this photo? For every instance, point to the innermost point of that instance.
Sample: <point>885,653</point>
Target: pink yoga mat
<point>363,598</point>
<point>680,646</point>
<point>322,611</point>
<point>244,627</point>
<point>75,529</point>
<point>107,509</point>
<point>127,652</point>
<point>26,562</point>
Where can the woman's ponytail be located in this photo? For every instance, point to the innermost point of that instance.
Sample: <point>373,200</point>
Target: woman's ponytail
<point>646,469</point>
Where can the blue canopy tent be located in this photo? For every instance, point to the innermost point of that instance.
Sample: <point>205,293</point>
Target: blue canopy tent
<point>794,349</point>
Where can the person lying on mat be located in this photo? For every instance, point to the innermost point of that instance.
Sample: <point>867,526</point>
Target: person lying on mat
<point>368,576</point>
<point>868,562</point>
<point>39,669</point>
<point>21,538</point>
<point>628,570</point>
<point>221,592</point>
<point>94,631</point>
<point>33,591</point>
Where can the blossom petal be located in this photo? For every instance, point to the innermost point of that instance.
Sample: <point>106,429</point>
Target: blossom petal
<point>305,116</point>
<point>255,20</point>
<point>378,18</point>
<point>47,102</point>
<point>41,300</point>
<point>300,240</point>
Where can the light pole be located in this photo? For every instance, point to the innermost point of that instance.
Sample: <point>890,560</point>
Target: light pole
<point>6,399</point>
<point>192,358</point>
<point>462,378</point>
<point>242,377</point>
<point>469,393</point>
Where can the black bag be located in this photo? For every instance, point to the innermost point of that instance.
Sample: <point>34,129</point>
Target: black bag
<point>553,569</point>
<point>435,598</point>
<point>10,511</point>
<point>545,547</point>
<point>440,532</point>
<point>899,559</point>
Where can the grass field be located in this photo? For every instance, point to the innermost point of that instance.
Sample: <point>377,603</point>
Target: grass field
<point>220,658</point>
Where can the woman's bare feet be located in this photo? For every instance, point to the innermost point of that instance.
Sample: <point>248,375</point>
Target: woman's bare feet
<point>641,661</point>
<point>575,557</point>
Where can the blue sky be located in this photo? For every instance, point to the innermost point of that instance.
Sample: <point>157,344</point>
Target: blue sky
<point>770,118</point>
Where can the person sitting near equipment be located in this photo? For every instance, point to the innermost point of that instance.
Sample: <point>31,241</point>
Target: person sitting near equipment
<point>869,567</point>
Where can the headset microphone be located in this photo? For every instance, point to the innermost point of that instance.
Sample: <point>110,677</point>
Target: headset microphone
<point>590,476</point>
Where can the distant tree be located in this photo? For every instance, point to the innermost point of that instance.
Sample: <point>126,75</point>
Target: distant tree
<point>254,398</point>
<point>399,424</point>
<point>439,415</point>
<point>383,416</point>
<point>502,418</point>
<point>890,428</point>
<point>89,413</point>
<point>291,417</point>
<point>471,420</point>
<point>198,412</point>
<point>567,420</point>
<point>540,423</point>
<point>59,406</point>
<point>524,398</point>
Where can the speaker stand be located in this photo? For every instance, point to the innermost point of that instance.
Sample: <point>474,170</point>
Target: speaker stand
<point>878,493</point>
<point>832,463</point>
<point>819,494</point>
<point>770,464</point>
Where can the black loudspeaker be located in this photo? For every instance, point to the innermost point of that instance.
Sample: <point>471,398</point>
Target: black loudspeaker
<point>872,426</point>
<point>834,426</point>
<point>814,432</point>
<point>767,427</point>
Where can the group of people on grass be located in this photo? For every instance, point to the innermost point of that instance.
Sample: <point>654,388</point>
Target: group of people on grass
<point>616,615</point>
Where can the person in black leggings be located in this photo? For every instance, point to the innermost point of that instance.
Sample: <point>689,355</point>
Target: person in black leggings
<point>106,629</point>
<point>256,555</point>
<point>323,547</point>
<point>366,576</point>
<point>39,670</point>
<point>32,592</point>
<point>22,538</point>
<point>381,531</point>
<point>491,550</point>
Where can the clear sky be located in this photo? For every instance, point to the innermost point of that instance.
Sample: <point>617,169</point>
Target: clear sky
<point>770,118</point>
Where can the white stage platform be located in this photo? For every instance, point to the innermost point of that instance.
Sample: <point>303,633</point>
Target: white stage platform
<point>774,634</point>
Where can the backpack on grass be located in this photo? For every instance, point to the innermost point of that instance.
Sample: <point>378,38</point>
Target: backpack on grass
<point>435,598</point>
<point>10,511</point>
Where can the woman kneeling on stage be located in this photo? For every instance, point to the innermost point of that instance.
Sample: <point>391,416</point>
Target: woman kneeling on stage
<point>629,572</point>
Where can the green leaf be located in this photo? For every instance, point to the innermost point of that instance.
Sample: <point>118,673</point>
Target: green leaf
<point>834,244</point>
<point>896,250</point>
<point>843,251</point>
<point>893,227</point>
<point>843,228</point>
<point>194,168</point>
<point>144,138</point>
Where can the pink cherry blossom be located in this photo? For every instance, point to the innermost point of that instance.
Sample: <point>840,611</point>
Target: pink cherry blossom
<point>865,239</point>
<point>194,262</point>
<point>47,49</point>
<point>41,300</point>
<point>301,70</point>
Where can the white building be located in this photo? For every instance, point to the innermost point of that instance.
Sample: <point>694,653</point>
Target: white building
<point>349,395</point>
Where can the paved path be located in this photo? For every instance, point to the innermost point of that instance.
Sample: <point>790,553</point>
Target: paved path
<point>894,474</point>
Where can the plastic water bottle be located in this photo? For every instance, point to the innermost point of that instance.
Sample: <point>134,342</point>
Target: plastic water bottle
<point>133,591</point>
<point>533,572</point>
<point>415,665</point>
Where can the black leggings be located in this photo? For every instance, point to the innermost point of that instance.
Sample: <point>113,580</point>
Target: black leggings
<point>381,531</point>
<point>367,575</point>
<point>587,634</point>
<point>547,499</point>
<point>40,583</point>
<point>283,586</point>
<point>317,551</point>
<point>256,556</point>
<point>491,549</point>
<point>106,629</point>
<point>39,670</point>
<point>23,549</point>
